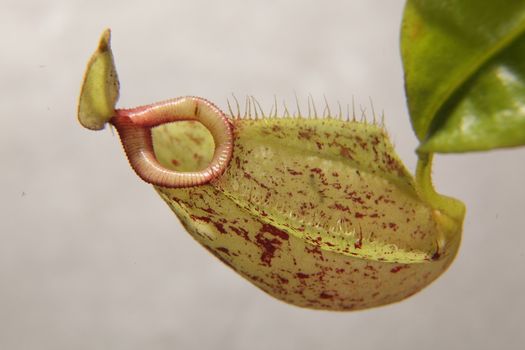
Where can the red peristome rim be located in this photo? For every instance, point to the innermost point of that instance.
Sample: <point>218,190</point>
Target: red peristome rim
<point>134,128</point>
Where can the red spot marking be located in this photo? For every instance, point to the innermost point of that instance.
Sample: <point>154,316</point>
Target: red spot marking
<point>398,268</point>
<point>391,163</point>
<point>240,232</point>
<point>326,295</point>
<point>335,174</point>
<point>224,250</point>
<point>354,197</point>
<point>315,250</point>
<point>281,279</point>
<point>269,246</point>
<point>294,172</point>
<point>393,226</point>
<point>436,255</point>
<point>339,206</point>
<point>370,267</point>
<point>175,162</point>
<point>316,170</point>
<point>249,177</point>
<point>302,275</point>
<point>209,211</point>
<point>275,231</point>
<point>220,227</point>
<point>362,143</point>
<point>345,152</point>
<point>306,134</point>
<point>202,218</point>
<point>359,215</point>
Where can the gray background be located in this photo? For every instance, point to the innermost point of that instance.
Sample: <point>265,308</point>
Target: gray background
<point>91,258</point>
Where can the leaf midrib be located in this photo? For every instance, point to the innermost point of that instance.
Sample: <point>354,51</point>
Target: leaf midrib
<point>485,58</point>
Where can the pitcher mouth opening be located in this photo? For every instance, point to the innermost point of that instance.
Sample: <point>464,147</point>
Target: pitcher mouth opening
<point>185,146</point>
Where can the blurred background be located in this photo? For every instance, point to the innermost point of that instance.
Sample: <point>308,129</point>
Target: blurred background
<point>91,258</point>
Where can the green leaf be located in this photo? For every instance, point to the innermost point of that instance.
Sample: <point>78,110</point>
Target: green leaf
<point>464,63</point>
<point>100,88</point>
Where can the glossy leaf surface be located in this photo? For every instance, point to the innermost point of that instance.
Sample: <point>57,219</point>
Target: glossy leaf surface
<point>464,63</point>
